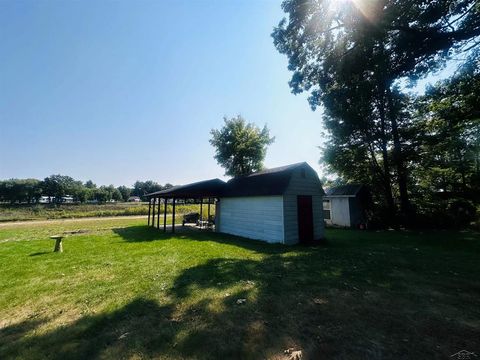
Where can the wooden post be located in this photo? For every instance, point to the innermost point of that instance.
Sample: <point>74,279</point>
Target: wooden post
<point>215,216</point>
<point>158,214</point>
<point>165,214</point>
<point>153,211</point>
<point>173,215</point>
<point>149,205</point>
<point>201,212</point>
<point>58,243</point>
<point>208,217</point>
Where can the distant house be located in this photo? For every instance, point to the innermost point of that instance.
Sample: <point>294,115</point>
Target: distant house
<point>67,199</point>
<point>52,199</point>
<point>346,205</point>
<point>134,199</point>
<point>46,199</point>
<point>280,205</point>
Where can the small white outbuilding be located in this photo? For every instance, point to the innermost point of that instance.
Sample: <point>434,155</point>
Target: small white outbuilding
<point>346,205</point>
<point>280,205</point>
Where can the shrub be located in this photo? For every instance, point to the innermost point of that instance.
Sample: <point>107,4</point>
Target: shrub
<point>462,212</point>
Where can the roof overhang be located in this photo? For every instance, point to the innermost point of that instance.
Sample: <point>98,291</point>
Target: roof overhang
<point>339,196</point>
<point>207,188</point>
<point>268,182</point>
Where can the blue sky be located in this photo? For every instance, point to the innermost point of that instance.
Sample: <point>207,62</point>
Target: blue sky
<point>124,90</point>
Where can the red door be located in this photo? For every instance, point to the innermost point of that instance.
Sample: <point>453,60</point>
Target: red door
<point>305,218</point>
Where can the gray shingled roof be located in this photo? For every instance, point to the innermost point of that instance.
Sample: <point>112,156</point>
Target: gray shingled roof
<point>344,190</point>
<point>262,183</point>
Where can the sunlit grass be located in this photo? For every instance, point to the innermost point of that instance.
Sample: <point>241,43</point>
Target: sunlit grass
<point>122,290</point>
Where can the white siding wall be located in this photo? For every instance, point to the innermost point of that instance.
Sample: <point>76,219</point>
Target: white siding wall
<point>254,217</point>
<point>340,211</point>
<point>299,185</point>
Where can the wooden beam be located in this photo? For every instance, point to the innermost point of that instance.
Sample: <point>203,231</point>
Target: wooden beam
<point>208,217</point>
<point>173,215</point>
<point>201,212</point>
<point>165,215</point>
<point>149,205</point>
<point>158,214</point>
<point>153,211</point>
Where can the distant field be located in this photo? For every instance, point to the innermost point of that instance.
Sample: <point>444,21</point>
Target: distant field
<point>122,290</point>
<point>65,211</point>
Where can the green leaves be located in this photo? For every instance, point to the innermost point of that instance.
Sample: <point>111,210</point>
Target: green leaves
<point>240,146</point>
<point>450,121</point>
<point>349,56</point>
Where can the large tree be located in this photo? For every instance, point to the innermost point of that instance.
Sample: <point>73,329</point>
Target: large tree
<point>240,147</point>
<point>449,120</point>
<point>141,188</point>
<point>61,185</point>
<point>336,48</point>
<point>20,190</point>
<point>124,192</point>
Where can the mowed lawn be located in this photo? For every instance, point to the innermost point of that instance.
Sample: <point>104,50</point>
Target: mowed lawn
<point>123,290</point>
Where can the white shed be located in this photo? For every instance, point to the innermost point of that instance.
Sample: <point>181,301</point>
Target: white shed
<point>346,205</point>
<point>280,205</point>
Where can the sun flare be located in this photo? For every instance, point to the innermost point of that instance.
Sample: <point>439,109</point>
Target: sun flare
<point>368,8</point>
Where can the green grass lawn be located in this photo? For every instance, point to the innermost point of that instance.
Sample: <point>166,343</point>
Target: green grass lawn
<point>123,290</point>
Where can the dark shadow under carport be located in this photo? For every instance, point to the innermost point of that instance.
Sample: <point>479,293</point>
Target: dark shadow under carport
<point>203,193</point>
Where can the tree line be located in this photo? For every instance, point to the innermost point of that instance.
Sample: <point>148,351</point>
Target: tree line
<point>420,154</point>
<point>58,186</point>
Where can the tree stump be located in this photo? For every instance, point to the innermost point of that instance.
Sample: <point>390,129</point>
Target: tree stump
<point>58,243</point>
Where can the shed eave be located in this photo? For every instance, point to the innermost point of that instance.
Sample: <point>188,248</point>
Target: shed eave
<point>338,196</point>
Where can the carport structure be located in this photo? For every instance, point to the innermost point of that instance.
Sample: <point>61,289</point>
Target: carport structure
<point>204,192</point>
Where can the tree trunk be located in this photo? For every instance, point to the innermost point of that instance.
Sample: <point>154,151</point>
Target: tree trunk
<point>399,160</point>
<point>386,162</point>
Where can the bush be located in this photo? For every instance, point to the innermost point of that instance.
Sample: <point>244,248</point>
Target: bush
<point>445,214</point>
<point>462,212</point>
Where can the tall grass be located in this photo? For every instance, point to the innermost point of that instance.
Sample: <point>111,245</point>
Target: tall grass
<point>65,211</point>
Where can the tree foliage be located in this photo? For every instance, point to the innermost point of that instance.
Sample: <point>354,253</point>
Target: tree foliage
<point>448,120</point>
<point>351,57</point>
<point>20,190</point>
<point>125,192</point>
<point>141,188</point>
<point>58,186</point>
<point>240,147</point>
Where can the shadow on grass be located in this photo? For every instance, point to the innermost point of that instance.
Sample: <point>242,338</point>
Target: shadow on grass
<point>15,332</point>
<point>146,234</point>
<point>334,302</point>
<point>276,316</point>
<point>141,324</point>
<point>41,253</point>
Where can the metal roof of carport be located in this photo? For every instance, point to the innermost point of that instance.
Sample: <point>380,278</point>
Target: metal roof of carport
<point>262,183</point>
<point>206,188</point>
